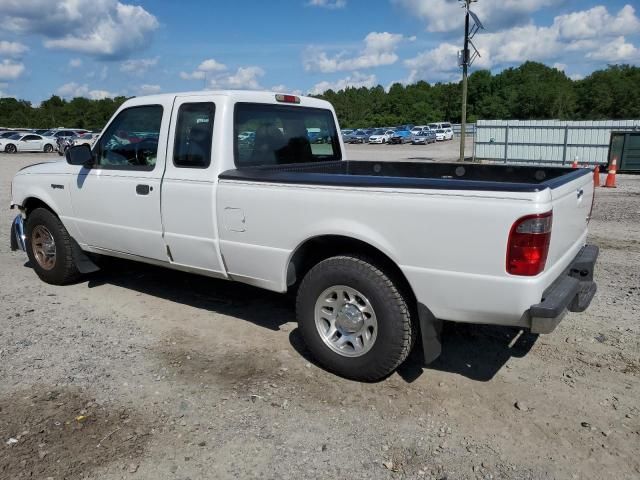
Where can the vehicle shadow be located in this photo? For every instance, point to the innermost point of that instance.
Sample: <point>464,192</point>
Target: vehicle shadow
<point>477,352</point>
<point>266,309</point>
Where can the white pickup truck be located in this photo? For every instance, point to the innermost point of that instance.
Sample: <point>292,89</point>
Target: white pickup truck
<point>378,253</point>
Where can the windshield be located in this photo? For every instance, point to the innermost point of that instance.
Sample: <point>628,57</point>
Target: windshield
<point>378,132</point>
<point>281,135</point>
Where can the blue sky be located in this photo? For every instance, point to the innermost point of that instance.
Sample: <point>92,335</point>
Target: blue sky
<point>98,48</point>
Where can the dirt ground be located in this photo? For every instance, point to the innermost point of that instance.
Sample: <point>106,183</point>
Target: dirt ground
<point>141,373</point>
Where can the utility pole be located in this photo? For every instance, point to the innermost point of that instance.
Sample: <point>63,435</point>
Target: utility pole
<point>465,67</point>
<point>465,59</point>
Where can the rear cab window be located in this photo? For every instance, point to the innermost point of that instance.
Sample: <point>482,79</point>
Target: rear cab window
<point>266,134</point>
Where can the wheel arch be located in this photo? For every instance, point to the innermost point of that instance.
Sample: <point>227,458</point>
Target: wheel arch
<point>30,203</point>
<point>318,248</point>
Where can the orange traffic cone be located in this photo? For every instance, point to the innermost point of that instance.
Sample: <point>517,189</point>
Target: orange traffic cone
<point>611,177</point>
<point>596,176</point>
<point>575,162</point>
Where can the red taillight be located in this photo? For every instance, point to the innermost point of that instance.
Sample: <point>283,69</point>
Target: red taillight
<point>287,98</point>
<point>529,244</point>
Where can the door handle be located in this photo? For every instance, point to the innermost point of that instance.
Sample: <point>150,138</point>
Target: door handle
<point>143,189</point>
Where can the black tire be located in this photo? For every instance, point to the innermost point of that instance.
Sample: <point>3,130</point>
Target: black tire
<point>396,329</point>
<point>10,148</point>
<point>48,148</point>
<point>64,269</point>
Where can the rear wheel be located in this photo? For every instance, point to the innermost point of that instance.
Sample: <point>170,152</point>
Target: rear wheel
<point>49,248</point>
<point>354,318</point>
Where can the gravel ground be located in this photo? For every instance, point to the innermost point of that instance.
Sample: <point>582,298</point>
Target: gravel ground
<point>138,372</point>
<point>438,152</point>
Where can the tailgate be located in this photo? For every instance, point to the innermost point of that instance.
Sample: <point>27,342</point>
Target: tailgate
<point>571,209</point>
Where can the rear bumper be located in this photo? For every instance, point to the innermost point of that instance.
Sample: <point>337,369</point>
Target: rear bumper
<point>572,291</point>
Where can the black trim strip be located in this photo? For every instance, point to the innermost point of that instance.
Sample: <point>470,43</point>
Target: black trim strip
<point>437,176</point>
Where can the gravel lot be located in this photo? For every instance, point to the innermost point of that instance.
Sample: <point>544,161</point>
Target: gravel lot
<point>439,152</point>
<point>138,372</point>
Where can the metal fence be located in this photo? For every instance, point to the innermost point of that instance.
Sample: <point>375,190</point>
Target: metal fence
<point>470,129</point>
<point>547,141</point>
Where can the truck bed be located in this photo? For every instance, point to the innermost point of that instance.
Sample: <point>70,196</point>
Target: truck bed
<point>443,176</point>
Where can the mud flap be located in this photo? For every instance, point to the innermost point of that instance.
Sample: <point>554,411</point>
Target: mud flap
<point>430,330</point>
<point>82,260</point>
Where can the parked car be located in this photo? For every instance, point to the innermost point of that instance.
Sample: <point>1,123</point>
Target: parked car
<point>366,289</point>
<point>26,142</point>
<point>11,133</point>
<point>41,131</point>
<point>418,129</point>
<point>448,133</point>
<point>440,135</point>
<point>85,139</point>
<point>359,136</point>
<point>424,137</point>
<point>380,136</point>
<point>400,136</point>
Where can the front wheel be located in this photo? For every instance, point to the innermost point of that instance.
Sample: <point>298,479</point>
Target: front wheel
<point>354,318</point>
<point>49,248</point>
<point>10,148</point>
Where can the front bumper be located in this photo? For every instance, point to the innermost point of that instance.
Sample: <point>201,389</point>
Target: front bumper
<point>18,238</point>
<point>572,291</point>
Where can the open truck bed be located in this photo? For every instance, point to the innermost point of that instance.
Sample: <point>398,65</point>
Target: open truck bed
<point>449,176</point>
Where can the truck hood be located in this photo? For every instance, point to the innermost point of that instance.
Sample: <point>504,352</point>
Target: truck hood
<point>47,167</point>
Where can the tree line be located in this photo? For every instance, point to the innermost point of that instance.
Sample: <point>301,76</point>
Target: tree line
<point>530,91</point>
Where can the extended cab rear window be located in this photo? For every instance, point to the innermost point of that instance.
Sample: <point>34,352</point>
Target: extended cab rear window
<point>281,134</point>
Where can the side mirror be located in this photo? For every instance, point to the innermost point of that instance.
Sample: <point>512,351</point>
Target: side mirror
<point>80,155</point>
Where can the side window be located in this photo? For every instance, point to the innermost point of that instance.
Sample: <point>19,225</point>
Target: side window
<point>131,140</point>
<point>278,134</point>
<point>30,137</point>
<point>194,134</point>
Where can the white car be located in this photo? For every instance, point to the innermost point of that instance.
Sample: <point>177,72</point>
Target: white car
<point>85,139</point>
<point>448,133</point>
<point>288,215</point>
<point>381,136</point>
<point>440,135</point>
<point>27,142</point>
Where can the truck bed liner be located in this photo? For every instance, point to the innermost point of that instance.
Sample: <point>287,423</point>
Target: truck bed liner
<point>442,176</point>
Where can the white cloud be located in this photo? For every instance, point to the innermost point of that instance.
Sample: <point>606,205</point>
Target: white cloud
<point>211,65</point>
<point>138,66</point>
<point>73,90</point>
<point>195,75</point>
<point>565,41</point>
<point>75,62</point>
<point>617,50</point>
<point>102,28</point>
<point>244,78</point>
<point>356,80</point>
<point>12,49</point>
<point>330,4</point>
<point>438,64</point>
<point>447,15</point>
<point>597,21</point>
<point>147,89</point>
<point>379,49</point>
<point>561,67</point>
<point>10,70</point>
<point>203,70</point>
